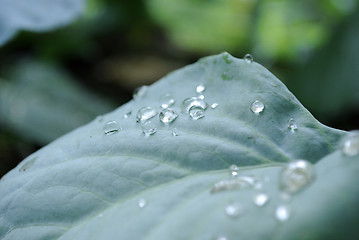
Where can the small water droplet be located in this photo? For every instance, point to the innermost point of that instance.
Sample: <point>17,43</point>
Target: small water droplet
<point>350,144</point>
<point>260,199</point>
<point>282,213</point>
<point>140,92</point>
<point>292,125</point>
<point>28,164</point>
<point>127,115</point>
<point>248,58</point>
<point>234,210</point>
<point>168,115</point>
<point>214,105</point>
<point>148,128</point>
<point>257,107</point>
<point>200,88</point>
<point>285,197</point>
<point>237,183</point>
<point>201,97</point>
<point>196,112</point>
<point>227,57</point>
<point>296,176</point>
<point>226,75</point>
<point>111,127</point>
<point>167,101</point>
<point>99,119</point>
<point>175,132</point>
<point>146,113</point>
<point>142,203</point>
<point>193,101</point>
<point>234,169</point>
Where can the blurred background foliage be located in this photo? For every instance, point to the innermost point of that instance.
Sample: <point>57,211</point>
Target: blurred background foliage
<point>63,64</point>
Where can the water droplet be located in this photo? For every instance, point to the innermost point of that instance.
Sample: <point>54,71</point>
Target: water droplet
<point>260,199</point>
<point>237,183</point>
<point>257,107</point>
<point>142,203</point>
<point>282,213</point>
<point>188,103</point>
<point>234,169</point>
<point>221,238</point>
<point>201,97</point>
<point>200,88</point>
<point>285,197</point>
<point>28,164</point>
<point>350,144</point>
<point>196,112</point>
<point>296,176</point>
<point>214,105</point>
<point>111,127</point>
<point>227,57</point>
<point>99,119</point>
<point>226,75</point>
<point>248,58</point>
<point>234,210</point>
<point>175,132</point>
<point>146,113</point>
<point>292,125</point>
<point>127,115</point>
<point>140,92</point>
<point>167,101</point>
<point>168,115</point>
<point>148,128</point>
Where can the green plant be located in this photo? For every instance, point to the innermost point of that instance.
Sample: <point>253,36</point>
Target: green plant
<point>174,181</point>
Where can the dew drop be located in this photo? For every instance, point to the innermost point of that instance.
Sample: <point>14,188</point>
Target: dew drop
<point>292,125</point>
<point>201,97</point>
<point>200,88</point>
<point>296,176</point>
<point>214,105</point>
<point>350,144</point>
<point>175,132</point>
<point>257,107</point>
<point>260,199</point>
<point>248,58</point>
<point>127,115</point>
<point>28,164</point>
<point>168,115</point>
<point>111,127</point>
<point>227,57</point>
<point>234,169</point>
<point>142,203</point>
<point>233,210</point>
<point>140,92</point>
<point>196,112</point>
<point>146,113</point>
<point>237,183</point>
<point>167,101</point>
<point>148,128</point>
<point>282,213</point>
<point>193,101</point>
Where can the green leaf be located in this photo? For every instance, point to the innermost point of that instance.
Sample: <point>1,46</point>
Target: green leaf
<point>40,15</point>
<point>89,185</point>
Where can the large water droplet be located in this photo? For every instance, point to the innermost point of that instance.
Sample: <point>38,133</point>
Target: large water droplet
<point>146,113</point>
<point>168,115</point>
<point>248,58</point>
<point>196,112</point>
<point>167,101</point>
<point>234,169</point>
<point>234,210</point>
<point>148,128</point>
<point>200,88</point>
<point>260,199</point>
<point>140,92</point>
<point>111,127</point>
<point>227,57</point>
<point>282,213</point>
<point>28,164</point>
<point>188,103</point>
<point>142,203</point>
<point>257,107</point>
<point>214,105</point>
<point>292,125</point>
<point>237,183</point>
<point>296,176</point>
<point>350,144</point>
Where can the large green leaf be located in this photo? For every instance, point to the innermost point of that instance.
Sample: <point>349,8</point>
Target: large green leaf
<point>39,15</point>
<point>89,185</point>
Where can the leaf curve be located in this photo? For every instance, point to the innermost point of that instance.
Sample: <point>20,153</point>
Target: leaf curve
<point>40,15</point>
<point>88,185</point>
